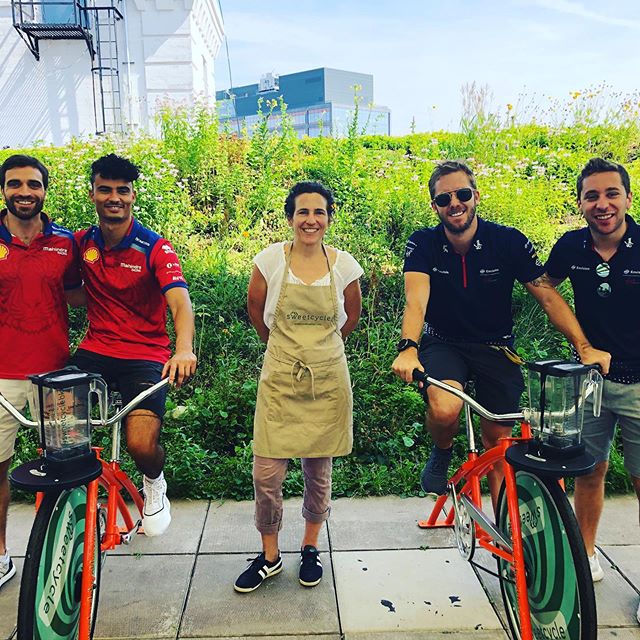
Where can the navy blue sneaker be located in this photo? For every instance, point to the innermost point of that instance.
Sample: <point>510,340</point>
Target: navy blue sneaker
<point>310,567</point>
<point>435,473</point>
<point>258,571</point>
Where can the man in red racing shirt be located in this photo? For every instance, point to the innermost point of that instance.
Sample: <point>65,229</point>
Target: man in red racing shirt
<point>38,276</point>
<point>131,275</point>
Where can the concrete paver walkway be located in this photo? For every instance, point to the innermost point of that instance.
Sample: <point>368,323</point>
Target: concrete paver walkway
<point>385,578</point>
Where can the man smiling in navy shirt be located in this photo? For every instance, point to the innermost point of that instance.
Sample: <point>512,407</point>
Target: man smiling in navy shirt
<point>457,324</point>
<point>602,261</point>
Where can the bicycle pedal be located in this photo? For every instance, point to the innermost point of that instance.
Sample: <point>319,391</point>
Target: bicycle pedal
<point>126,538</point>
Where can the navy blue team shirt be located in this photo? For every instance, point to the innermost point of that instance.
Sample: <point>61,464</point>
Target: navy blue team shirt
<point>606,294</point>
<point>471,295</point>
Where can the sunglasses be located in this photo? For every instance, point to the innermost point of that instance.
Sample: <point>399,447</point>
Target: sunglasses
<point>444,199</point>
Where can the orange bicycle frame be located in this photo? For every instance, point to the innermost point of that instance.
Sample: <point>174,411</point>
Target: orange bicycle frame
<point>472,470</point>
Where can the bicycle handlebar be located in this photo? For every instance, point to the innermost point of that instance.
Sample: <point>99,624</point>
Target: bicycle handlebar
<point>16,414</point>
<point>421,376</point>
<point>143,395</point>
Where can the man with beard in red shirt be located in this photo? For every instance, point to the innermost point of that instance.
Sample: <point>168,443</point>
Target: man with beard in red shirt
<point>38,276</point>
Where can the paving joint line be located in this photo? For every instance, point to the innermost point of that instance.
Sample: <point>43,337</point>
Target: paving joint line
<point>333,578</point>
<point>494,606</point>
<point>193,570</point>
<point>615,566</point>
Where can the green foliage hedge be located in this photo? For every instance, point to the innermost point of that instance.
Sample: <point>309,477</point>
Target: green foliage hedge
<point>219,199</point>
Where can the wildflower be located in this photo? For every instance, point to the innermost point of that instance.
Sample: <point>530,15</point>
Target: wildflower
<point>179,411</point>
<point>245,234</point>
<point>509,106</point>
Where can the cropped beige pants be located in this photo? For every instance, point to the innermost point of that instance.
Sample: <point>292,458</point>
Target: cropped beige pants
<point>268,476</point>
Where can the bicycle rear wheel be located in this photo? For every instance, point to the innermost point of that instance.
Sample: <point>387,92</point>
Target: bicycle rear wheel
<point>559,585</point>
<point>49,603</point>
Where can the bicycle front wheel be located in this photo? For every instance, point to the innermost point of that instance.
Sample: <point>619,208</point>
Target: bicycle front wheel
<point>559,585</point>
<point>50,590</point>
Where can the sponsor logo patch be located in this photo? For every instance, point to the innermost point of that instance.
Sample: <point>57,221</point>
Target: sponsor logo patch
<point>136,268</point>
<point>4,252</point>
<point>61,251</point>
<point>91,255</point>
<point>408,249</point>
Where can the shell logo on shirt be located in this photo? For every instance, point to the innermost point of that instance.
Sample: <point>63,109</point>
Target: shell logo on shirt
<point>4,252</point>
<point>91,255</point>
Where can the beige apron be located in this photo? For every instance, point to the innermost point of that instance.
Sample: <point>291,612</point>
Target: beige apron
<point>304,406</point>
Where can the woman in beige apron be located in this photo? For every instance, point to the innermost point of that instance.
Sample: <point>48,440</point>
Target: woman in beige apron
<point>304,299</point>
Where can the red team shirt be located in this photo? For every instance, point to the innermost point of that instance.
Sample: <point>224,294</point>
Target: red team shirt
<point>125,285</point>
<point>34,324</point>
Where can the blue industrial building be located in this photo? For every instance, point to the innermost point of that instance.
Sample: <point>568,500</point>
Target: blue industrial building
<point>320,102</point>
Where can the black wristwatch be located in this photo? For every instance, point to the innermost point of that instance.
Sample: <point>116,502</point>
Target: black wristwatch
<point>406,343</point>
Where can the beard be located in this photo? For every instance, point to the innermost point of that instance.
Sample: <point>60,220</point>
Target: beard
<point>25,215</point>
<point>457,229</point>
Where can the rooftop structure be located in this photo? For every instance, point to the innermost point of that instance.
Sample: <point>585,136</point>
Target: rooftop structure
<point>319,102</point>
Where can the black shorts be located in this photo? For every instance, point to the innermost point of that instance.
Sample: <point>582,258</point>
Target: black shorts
<point>498,382</point>
<point>130,376</point>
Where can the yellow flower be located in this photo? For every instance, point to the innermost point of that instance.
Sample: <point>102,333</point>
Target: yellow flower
<point>509,106</point>
<point>245,234</point>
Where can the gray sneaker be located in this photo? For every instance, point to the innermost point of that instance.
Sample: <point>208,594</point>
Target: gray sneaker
<point>435,473</point>
<point>7,570</point>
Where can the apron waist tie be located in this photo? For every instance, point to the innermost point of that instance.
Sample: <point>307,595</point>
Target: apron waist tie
<point>302,367</point>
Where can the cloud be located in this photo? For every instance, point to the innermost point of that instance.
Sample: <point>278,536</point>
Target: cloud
<point>578,9</point>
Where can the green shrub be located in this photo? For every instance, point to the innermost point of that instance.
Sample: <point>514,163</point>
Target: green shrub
<point>218,197</point>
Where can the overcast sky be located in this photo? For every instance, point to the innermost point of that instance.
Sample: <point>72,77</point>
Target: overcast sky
<point>421,52</point>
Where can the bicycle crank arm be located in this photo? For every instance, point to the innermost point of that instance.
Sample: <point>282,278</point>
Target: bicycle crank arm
<point>480,517</point>
<point>128,536</point>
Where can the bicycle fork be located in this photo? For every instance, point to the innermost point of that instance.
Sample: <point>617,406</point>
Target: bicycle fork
<point>511,494</point>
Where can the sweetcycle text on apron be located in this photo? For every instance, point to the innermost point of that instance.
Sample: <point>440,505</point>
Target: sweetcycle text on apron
<point>304,407</point>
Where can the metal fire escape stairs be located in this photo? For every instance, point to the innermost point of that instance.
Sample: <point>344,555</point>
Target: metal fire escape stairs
<point>95,22</point>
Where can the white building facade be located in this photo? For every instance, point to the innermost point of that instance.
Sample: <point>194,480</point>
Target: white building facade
<point>74,68</point>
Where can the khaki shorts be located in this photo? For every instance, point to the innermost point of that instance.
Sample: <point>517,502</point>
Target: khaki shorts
<point>621,406</point>
<point>19,393</point>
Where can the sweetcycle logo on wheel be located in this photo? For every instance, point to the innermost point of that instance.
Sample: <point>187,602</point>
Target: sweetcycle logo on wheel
<point>531,517</point>
<point>554,630</point>
<point>57,577</point>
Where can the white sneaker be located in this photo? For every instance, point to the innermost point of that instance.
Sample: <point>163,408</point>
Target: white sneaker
<point>156,515</point>
<point>7,569</point>
<point>594,564</point>
<point>638,614</point>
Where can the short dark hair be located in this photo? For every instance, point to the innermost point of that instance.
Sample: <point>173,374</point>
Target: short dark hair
<point>19,160</point>
<point>113,167</point>
<point>308,187</point>
<point>445,168</point>
<point>600,165</point>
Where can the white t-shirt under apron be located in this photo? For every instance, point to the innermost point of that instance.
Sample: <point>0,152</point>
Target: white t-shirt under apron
<point>271,262</point>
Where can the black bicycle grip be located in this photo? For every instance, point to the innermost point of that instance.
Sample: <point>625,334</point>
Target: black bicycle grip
<point>420,376</point>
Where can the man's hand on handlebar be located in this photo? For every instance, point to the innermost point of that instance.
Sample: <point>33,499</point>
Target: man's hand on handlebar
<point>591,355</point>
<point>404,364</point>
<point>180,367</point>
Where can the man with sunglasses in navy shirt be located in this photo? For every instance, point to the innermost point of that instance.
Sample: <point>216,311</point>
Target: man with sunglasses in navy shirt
<point>457,324</point>
<point>602,261</point>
